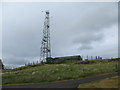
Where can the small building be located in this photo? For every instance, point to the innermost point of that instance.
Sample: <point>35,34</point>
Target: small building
<point>64,59</point>
<point>70,58</point>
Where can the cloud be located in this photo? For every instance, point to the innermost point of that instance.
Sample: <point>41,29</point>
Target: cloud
<point>0,30</point>
<point>15,61</point>
<point>76,28</point>
<point>87,38</point>
<point>90,26</point>
<point>98,18</point>
<point>85,47</point>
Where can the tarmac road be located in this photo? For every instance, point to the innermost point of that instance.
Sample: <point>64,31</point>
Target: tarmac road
<point>66,84</point>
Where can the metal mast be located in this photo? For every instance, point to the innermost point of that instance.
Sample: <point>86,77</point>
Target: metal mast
<point>45,44</point>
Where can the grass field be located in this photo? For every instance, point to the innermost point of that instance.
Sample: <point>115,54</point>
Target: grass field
<point>105,83</point>
<point>55,72</point>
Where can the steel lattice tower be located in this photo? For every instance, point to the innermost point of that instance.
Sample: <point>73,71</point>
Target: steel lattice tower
<point>45,44</point>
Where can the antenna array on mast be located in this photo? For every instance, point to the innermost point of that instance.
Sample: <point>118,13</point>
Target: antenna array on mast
<point>45,44</point>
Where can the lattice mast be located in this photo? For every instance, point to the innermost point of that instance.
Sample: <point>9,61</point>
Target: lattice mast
<point>45,44</point>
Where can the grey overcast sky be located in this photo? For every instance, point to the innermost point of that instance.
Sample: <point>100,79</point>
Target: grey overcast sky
<point>79,28</point>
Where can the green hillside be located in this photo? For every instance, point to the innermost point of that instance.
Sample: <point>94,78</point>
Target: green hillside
<point>56,72</point>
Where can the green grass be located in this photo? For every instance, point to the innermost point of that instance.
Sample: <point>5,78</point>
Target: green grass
<point>55,72</point>
<point>105,83</point>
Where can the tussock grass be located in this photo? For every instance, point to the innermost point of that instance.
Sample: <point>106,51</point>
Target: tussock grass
<point>55,72</point>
